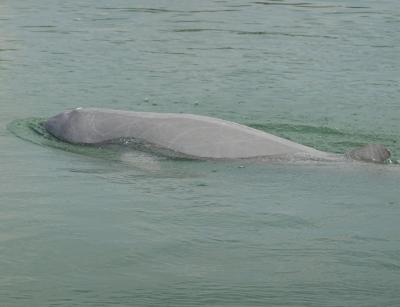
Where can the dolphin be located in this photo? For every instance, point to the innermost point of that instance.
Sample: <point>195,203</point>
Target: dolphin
<point>192,136</point>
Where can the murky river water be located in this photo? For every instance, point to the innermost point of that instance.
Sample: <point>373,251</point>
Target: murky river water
<point>83,226</point>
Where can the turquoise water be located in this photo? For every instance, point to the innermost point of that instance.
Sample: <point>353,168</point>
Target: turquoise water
<point>87,226</point>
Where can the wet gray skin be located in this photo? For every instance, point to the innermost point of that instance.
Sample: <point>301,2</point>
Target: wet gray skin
<point>193,136</point>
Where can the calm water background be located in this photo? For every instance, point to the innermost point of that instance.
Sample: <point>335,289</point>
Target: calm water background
<point>86,227</point>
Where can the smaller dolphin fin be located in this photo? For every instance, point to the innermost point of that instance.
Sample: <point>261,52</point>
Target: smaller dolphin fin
<point>376,153</point>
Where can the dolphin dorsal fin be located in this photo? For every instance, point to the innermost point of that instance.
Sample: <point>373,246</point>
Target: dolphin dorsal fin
<point>376,153</point>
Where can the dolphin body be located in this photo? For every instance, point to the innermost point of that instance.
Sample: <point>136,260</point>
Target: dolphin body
<point>191,136</point>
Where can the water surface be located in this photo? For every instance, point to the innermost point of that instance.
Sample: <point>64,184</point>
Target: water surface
<point>86,226</point>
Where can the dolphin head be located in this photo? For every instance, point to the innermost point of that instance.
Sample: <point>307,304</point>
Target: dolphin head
<point>62,125</point>
<point>58,124</point>
<point>376,153</point>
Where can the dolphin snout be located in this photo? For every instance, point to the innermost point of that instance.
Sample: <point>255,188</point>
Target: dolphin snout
<point>56,125</point>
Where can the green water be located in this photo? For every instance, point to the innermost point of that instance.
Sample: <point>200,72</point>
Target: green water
<point>88,226</point>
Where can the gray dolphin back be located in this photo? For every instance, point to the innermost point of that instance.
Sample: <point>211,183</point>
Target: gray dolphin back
<point>376,153</point>
<point>191,135</point>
